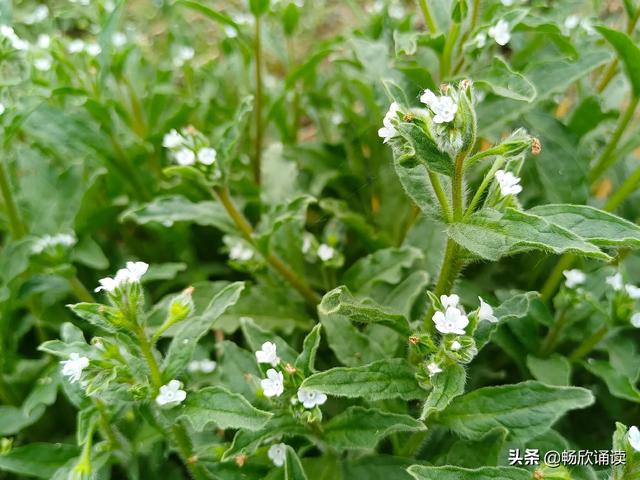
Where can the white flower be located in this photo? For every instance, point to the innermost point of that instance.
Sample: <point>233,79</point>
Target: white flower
<point>500,32</point>
<point>587,26</point>
<point>452,321</point>
<point>307,241</point>
<point>277,454</point>
<point>455,346</point>
<point>75,46</point>
<point>93,49</point>
<point>171,394</point>
<point>268,354</point>
<point>615,282</point>
<point>480,40</point>
<point>185,157</point>
<point>485,312</point>
<point>136,270</point>
<point>240,252</point>
<point>325,252</point>
<point>634,438</point>
<point>574,277</point>
<point>388,131</point>
<point>40,13</point>
<point>172,139</point>
<point>230,31</point>
<point>428,98</point>
<point>49,241</point>
<point>119,39</point>
<point>43,63</point>
<point>132,272</point>
<point>44,41</point>
<point>443,107</point>
<point>433,368</point>
<point>73,367</point>
<point>273,385</point>
<point>207,156</point>
<point>508,182</point>
<point>507,3</point>
<point>202,366</point>
<point>183,54</point>
<point>311,398</point>
<point>449,300</point>
<point>15,41</point>
<point>633,291</point>
<point>635,320</point>
<point>571,22</point>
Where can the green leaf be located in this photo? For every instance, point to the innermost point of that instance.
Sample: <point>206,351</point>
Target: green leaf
<point>209,12</point>
<point>107,319</point>
<point>363,428</point>
<point>414,178</point>
<point>220,406</point>
<point>377,381</point>
<point>501,80</point>
<point>526,409</point>
<point>257,336</point>
<point>184,343</point>
<point>491,236</point>
<point>340,302</point>
<point>555,370</point>
<point>292,467</point>
<point>259,7</point>
<point>447,385</point>
<point>419,472</point>
<point>40,460</point>
<point>350,346</point>
<point>306,360</point>
<point>171,209</point>
<point>628,52</point>
<point>597,226</point>
<point>619,385</point>
<point>424,150</point>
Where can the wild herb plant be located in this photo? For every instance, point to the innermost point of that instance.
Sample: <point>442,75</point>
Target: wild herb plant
<point>319,240</point>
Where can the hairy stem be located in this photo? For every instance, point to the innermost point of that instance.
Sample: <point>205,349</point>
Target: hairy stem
<point>551,340</point>
<point>428,17</point>
<point>18,230</point>
<point>147,352</point>
<point>257,53</point>
<point>447,53</point>
<point>246,230</point>
<point>441,196</point>
<point>629,186</point>
<point>449,271</point>
<point>486,181</point>
<point>589,344</point>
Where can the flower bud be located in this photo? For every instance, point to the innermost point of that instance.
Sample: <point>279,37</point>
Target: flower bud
<point>536,146</point>
<point>181,306</point>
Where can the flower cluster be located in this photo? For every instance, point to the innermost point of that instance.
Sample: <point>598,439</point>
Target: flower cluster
<point>388,130</point>
<point>48,242</point>
<point>444,107</point>
<point>189,147</point>
<point>132,273</point>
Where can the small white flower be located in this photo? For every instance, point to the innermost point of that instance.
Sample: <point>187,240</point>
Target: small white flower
<point>455,346</point>
<point>93,49</point>
<point>587,26</point>
<point>485,312</point>
<point>449,300</point>
<point>311,398</point>
<point>480,40</point>
<point>428,98</point>
<point>43,63</point>
<point>633,291</point>
<point>268,354</point>
<point>615,282</point>
<point>132,272</point>
<point>202,366</point>
<point>39,14</point>
<point>508,182</point>
<point>230,31</point>
<point>507,3</point>
<point>15,41</point>
<point>433,369</point>
<point>574,277</point>
<point>2,108</point>
<point>136,270</point>
<point>277,454</point>
<point>171,394</point>
<point>240,252</point>
<point>172,139</point>
<point>635,320</point>
<point>443,107</point>
<point>49,241</point>
<point>634,438</point>
<point>325,252</point>
<point>571,22</point>
<point>207,156</point>
<point>44,41</point>
<point>273,385</point>
<point>75,46</point>
<point>500,32</point>
<point>119,39</point>
<point>185,157</point>
<point>183,54</point>
<point>388,131</point>
<point>73,367</point>
<point>452,321</point>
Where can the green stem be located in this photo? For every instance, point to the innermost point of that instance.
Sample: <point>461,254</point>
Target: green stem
<point>80,291</point>
<point>551,340</point>
<point>441,196</point>
<point>428,17</point>
<point>185,449</point>
<point>257,52</point>
<point>18,229</point>
<point>458,188</point>
<point>486,181</point>
<point>246,230</point>
<point>607,159</point>
<point>628,187</point>
<point>147,352</point>
<point>447,53</point>
<point>589,344</point>
<point>610,72</point>
<point>449,271</point>
<point>554,279</point>
<point>475,13</point>
<point>105,424</point>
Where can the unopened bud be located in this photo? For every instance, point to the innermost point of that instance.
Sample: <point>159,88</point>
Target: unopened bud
<point>444,87</point>
<point>408,117</point>
<point>413,339</point>
<point>290,368</point>
<point>241,460</point>
<point>465,84</point>
<point>192,459</point>
<point>536,146</point>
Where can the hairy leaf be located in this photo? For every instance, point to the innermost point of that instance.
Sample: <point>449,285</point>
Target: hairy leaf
<point>419,472</point>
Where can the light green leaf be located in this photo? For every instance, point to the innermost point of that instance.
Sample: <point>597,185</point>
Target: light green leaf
<point>220,406</point>
<point>597,226</point>
<point>108,319</point>
<point>619,385</point>
<point>306,360</point>
<point>555,370</point>
<point>414,178</point>
<point>424,150</point>
<point>340,302</point>
<point>40,460</point>
<point>525,409</point>
<point>491,236</point>
<point>363,428</point>
<point>628,52</point>
<point>447,385</point>
<point>420,472</point>
<point>501,80</point>
<point>292,467</point>
<point>350,345</point>
<point>377,381</point>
